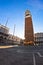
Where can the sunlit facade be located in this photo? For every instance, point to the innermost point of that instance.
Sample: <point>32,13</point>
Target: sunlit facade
<point>6,38</point>
<point>4,29</point>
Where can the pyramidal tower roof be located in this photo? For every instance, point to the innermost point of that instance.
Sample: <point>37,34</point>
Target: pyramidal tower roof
<point>27,13</point>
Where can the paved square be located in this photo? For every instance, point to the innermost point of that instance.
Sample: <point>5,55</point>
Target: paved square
<point>22,55</point>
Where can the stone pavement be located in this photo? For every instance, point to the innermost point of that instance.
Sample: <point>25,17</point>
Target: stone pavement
<point>21,55</point>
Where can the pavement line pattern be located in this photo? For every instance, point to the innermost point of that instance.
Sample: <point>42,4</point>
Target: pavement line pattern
<point>34,61</point>
<point>39,54</point>
<point>1,47</point>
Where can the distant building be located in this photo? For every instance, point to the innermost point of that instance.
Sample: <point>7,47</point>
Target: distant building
<point>6,38</point>
<point>14,39</point>
<point>29,33</point>
<point>38,38</point>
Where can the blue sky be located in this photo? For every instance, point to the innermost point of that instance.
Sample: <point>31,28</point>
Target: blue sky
<point>14,11</point>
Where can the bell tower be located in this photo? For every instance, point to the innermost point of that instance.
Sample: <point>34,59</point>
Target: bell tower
<point>29,34</point>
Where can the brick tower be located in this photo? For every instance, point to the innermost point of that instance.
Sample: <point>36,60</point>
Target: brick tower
<point>29,34</point>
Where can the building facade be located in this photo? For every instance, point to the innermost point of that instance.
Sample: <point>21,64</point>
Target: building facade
<point>4,29</point>
<point>6,38</point>
<point>4,33</point>
<point>29,34</point>
<point>38,38</point>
